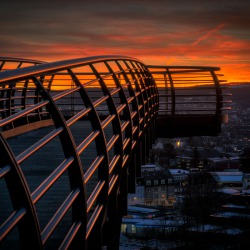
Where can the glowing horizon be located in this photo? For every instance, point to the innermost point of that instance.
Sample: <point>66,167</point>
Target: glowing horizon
<point>184,33</point>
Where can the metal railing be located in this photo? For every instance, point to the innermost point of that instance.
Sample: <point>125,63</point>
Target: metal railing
<point>192,100</point>
<point>118,99</point>
<point>86,126</point>
<point>188,90</point>
<point>10,63</point>
<point>183,91</point>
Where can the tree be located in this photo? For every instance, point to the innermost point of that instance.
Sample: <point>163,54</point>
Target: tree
<point>201,196</point>
<point>195,158</point>
<point>168,149</point>
<point>163,155</point>
<point>245,160</point>
<point>167,153</point>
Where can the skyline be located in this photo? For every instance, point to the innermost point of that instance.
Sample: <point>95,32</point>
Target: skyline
<point>187,33</point>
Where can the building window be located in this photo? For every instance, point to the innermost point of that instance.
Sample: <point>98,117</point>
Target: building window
<point>155,189</point>
<point>163,188</point>
<point>133,229</point>
<point>163,182</point>
<point>155,182</point>
<point>148,183</point>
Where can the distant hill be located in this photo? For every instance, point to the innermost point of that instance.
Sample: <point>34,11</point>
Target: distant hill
<point>240,93</point>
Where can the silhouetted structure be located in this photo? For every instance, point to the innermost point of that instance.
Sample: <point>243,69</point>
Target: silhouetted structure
<point>85,127</point>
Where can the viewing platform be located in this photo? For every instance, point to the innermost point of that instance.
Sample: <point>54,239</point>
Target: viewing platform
<point>191,101</point>
<point>74,134</point>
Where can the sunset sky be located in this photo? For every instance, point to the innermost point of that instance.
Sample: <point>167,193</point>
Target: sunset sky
<point>180,32</point>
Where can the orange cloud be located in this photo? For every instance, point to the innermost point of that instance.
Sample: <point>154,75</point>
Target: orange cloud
<point>208,34</point>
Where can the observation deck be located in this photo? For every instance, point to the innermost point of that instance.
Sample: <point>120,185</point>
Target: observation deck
<point>191,101</point>
<point>74,133</point>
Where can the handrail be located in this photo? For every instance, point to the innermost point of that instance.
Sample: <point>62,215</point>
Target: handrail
<point>7,63</point>
<point>58,66</point>
<point>17,59</point>
<point>182,87</point>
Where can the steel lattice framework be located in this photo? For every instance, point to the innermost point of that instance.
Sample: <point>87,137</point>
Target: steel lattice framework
<point>113,93</point>
<point>84,127</point>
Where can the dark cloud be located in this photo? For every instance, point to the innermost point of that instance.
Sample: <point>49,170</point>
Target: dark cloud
<point>41,28</point>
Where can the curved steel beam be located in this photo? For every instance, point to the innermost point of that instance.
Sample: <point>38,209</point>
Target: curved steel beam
<point>119,98</point>
<point>113,92</point>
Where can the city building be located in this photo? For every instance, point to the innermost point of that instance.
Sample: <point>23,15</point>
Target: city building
<point>159,189</point>
<point>180,177</point>
<point>232,180</point>
<point>246,181</point>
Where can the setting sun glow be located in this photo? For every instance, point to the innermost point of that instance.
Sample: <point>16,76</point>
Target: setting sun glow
<point>193,33</point>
